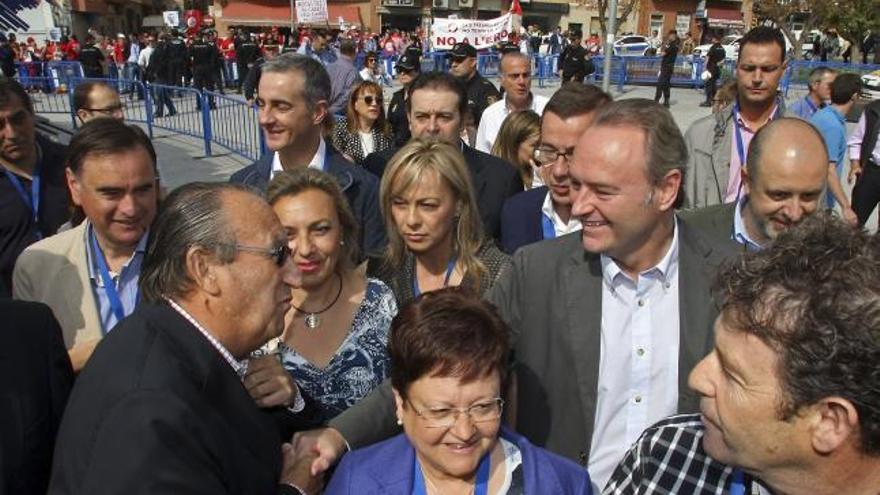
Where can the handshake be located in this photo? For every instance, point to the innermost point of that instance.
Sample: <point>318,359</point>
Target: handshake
<point>308,456</point>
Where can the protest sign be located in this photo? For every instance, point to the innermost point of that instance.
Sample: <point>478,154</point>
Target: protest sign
<point>311,11</point>
<point>480,34</point>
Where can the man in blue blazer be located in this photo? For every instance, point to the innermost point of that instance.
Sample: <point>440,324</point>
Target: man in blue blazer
<point>293,102</point>
<point>545,212</point>
<point>437,101</point>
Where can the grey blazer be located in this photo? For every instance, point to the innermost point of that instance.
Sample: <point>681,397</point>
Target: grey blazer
<point>552,298</point>
<point>715,224</point>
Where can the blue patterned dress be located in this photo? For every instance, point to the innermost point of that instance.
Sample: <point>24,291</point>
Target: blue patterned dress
<point>360,364</point>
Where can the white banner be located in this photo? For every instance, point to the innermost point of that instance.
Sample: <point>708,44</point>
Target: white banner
<point>171,18</point>
<point>311,11</point>
<point>480,34</point>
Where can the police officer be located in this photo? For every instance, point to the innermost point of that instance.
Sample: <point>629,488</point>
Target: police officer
<point>217,73</point>
<point>177,58</point>
<point>247,52</point>
<point>407,70</point>
<point>160,71</point>
<point>480,92</point>
<point>575,62</point>
<point>203,58</point>
<point>91,58</point>
<point>714,58</point>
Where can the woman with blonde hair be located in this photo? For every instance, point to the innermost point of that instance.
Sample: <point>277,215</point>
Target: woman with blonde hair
<point>364,129</point>
<point>435,235</point>
<point>516,142</point>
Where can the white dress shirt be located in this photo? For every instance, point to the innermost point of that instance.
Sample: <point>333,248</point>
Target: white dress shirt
<point>493,117</point>
<point>638,365</point>
<point>561,228</point>
<point>317,162</point>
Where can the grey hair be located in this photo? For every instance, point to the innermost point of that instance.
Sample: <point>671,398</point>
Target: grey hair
<point>316,81</point>
<point>665,148</point>
<point>513,55</point>
<point>192,215</point>
<point>818,73</point>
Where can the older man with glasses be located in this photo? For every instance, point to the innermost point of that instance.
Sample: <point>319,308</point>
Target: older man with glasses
<point>94,100</point>
<point>545,212</point>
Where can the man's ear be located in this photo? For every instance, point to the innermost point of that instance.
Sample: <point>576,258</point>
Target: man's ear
<point>201,266</point>
<point>74,186</point>
<point>835,423</point>
<point>322,110</point>
<point>667,190</point>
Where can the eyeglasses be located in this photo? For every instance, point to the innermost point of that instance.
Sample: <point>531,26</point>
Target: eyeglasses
<point>545,156</point>
<point>279,254</point>
<point>370,99</point>
<point>109,110</point>
<point>446,417</point>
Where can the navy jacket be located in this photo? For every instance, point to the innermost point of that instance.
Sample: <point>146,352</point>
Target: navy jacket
<point>359,186</point>
<point>387,468</point>
<point>521,221</point>
<point>494,180</point>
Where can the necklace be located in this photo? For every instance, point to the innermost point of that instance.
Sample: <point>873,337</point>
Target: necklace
<point>312,320</point>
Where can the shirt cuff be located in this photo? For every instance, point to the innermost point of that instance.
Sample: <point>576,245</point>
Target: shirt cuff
<point>298,403</point>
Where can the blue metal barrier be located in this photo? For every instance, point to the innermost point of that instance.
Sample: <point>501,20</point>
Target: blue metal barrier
<point>234,126</point>
<point>798,71</point>
<point>137,109</point>
<point>618,70</point>
<point>45,100</point>
<point>187,116</point>
<point>646,70</point>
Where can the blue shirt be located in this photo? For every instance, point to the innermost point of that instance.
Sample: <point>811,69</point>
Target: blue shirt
<point>805,108</point>
<point>325,56</point>
<point>832,125</point>
<point>126,282</point>
<point>740,234</point>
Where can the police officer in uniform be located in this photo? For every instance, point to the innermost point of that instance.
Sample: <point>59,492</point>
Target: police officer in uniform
<point>203,57</point>
<point>408,68</point>
<point>176,58</point>
<point>480,92</point>
<point>160,71</point>
<point>574,62</point>
<point>91,58</point>
<point>247,52</point>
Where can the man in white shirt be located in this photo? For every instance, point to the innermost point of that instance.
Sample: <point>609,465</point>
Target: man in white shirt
<point>516,79</point>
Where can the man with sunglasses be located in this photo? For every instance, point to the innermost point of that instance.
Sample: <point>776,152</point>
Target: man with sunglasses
<point>480,92</point>
<point>94,100</point>
<point>173,400</point>
<point>408,70</point>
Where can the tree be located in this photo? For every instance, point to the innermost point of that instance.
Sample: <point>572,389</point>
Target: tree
<point>625,8</point>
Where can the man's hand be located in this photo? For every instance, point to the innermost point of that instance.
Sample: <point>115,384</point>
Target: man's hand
<point>81,352</point>
<point>326,445</point>
<point>855,171</point>
<point>295,470</point>
<point>269,383</point>
<point>850,216</point>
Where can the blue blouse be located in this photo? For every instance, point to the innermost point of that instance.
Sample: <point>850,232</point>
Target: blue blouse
<point>359,365</point>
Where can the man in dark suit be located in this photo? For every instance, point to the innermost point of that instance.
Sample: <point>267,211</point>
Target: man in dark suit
<point>35,380</point>
<point>293,102</point>
<point>436,104</point>
<point>168,401</point>
<point>607,322</point>
<point>783,182</point>
<point>545,212</point>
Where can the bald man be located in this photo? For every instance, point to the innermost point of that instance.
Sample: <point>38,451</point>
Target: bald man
<point>785,175</point>
<point>95,99</point>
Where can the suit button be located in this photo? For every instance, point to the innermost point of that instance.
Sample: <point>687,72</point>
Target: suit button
<point>582,458</point>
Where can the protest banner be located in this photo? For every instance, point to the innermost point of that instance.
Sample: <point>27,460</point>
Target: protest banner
<point>480,34</point>
<point>311,11</point>
<point>171,18</point>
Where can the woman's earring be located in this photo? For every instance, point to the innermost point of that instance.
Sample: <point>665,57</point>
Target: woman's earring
<point>399,422</point>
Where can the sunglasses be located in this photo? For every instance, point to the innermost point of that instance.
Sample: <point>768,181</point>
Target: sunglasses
<point>278,254</point>
<point>370,99</point>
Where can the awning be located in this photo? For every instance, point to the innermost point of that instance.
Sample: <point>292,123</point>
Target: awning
<point>155,21</point>
<point>253,14</point>
<point>724,18</point>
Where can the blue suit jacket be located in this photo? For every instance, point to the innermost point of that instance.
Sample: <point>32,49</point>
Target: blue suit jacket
<point>387,468</point>
<point>521,222</point>
<point>359,186</point>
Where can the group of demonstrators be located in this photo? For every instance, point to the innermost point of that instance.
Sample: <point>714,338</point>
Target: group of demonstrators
<point>616,308</point>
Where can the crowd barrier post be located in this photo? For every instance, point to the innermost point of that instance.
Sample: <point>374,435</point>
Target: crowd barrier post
<point>234,126</point>
<point>206,122</point>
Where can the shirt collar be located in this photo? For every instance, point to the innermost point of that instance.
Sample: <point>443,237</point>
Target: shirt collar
<point>666,267</point>
<point>740,234</point>
<point>530,106</point>
<point>745,126</point>
<point>92,263</point>
<point>549,211</point>
<point>240,367</point>
<point>317,162</point>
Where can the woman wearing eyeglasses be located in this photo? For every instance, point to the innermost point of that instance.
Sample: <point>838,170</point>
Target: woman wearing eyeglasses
<point>371,71</point>
<point>335,335</point>
<point>435,236</point>
<point>516,143</point>
<point>364,129</point>
<point>449,354</point>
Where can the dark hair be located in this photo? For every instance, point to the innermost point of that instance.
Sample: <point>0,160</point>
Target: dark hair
<point>351,121</point>
<point>574,99</point>
<point>814,298</point>
<point>439,81</point>
<point>316,81</point>
<point>10,88</point>
<point>82,92</point>
<point>665,148</point>
<point>293,182</point>
<point>765,134</point>
<point>844,87</point>
<point>192,215</point>
<point>102,137</point>
<point>763,35</point>
<point>448,332</point>
<point>347,47</point>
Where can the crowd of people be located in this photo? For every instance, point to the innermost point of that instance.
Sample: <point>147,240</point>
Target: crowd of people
<point>520,294</point>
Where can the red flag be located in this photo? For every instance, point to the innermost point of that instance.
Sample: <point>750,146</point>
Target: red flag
<point>515,8</point>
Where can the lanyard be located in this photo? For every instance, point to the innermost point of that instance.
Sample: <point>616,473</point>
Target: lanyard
<point>109,286</point>
<point>547,227</point>
<point>482,482</point>
<point>738,485</point>
<point>33,200</point>
<point>810,104</point>
<point>449,267</point>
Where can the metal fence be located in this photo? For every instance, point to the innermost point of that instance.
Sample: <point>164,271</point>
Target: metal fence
<point>797,74</point>
<point>234,126</point>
